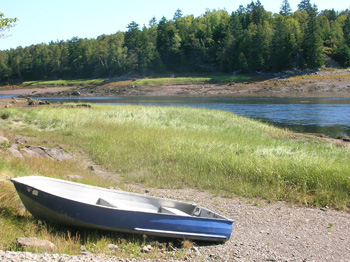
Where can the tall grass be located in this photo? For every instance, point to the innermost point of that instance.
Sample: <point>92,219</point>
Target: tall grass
<point>205,149</point>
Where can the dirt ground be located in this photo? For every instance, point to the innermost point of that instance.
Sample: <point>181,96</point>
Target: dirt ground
<point>16,90</point>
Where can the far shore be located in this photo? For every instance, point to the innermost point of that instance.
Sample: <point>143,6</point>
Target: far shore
<point>30,91</point>
<point>321,84</point>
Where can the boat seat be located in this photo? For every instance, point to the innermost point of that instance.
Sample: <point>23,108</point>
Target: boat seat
<point>103,202</point>
<point>125,206</point>
<point>172,211</point>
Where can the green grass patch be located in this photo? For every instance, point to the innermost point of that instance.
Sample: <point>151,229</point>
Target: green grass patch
<point>205,79</point>
<point>199,148</point>
<point>194,79</point>
<point>65,82</point>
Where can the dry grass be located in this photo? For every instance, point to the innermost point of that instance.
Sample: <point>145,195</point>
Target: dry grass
<point>337,77</point>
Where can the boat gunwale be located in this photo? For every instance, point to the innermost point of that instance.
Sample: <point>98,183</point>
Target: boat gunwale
<point>223,218</point>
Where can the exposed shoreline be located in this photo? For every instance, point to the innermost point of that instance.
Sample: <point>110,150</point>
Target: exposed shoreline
<point>320,84</point>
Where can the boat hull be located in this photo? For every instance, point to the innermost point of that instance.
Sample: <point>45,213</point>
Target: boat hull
<point>65,211</point>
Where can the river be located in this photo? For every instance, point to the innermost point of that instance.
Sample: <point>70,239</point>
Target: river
<point>329,116</point>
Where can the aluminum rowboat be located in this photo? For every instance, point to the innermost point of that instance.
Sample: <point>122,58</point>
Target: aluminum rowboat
<point>79,205</point>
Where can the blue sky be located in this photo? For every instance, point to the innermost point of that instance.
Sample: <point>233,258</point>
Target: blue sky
<point>42,21</point>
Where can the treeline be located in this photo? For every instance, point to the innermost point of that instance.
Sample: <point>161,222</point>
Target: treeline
<point>250,39</point>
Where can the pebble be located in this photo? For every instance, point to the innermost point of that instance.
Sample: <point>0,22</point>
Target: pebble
<point>113,247</point>
<point>10,256</point>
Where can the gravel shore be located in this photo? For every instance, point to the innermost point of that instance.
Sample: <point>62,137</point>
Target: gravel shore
<point>262,232</point>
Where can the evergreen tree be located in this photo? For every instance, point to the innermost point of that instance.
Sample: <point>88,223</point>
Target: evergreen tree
<point>285,8</point>
<point>346,29</point>
<point>168,44</point>
<point>305,5</point>
<point>312,43</point>
<point>152,22</point>
<point>342,55</point>
<point>330,14</point>
<point>177,15</point>
<point>77,56</point>
<point>257,13</point>
<point>132,36</point>
<point>132,43</point>
<point>283,50</point>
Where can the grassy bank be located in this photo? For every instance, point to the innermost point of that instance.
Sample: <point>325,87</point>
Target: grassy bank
<point>208,79</point>
<point>74,82</point>
<point>157,80</point>
<point>185,147</point>
<point>172,147</point>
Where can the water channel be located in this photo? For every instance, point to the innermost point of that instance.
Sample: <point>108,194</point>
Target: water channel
<point>329,116</point>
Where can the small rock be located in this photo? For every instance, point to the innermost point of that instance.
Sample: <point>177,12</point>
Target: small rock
<point>147,249</point>
<point>44,103</point>
<point>324,208</point>
<point>21,208</point>
<point>27,152</point>
<point>15,153</point>
<point>38,150</point>
<point>86,253</point>
<point>57,154</point>
<point>195,249</point>
<point>14,146</point>
<point>35,242</point>
<point>4,140</point>
<point>74,177</point>
<point>112,247</point>
<point>84,105</point>
<point>20,141</point>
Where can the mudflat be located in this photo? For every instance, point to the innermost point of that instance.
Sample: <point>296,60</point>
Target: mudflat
<point>326,83</point>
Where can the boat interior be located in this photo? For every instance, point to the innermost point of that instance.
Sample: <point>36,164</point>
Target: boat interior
<point>153,209</point>
<point>113,198</point>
